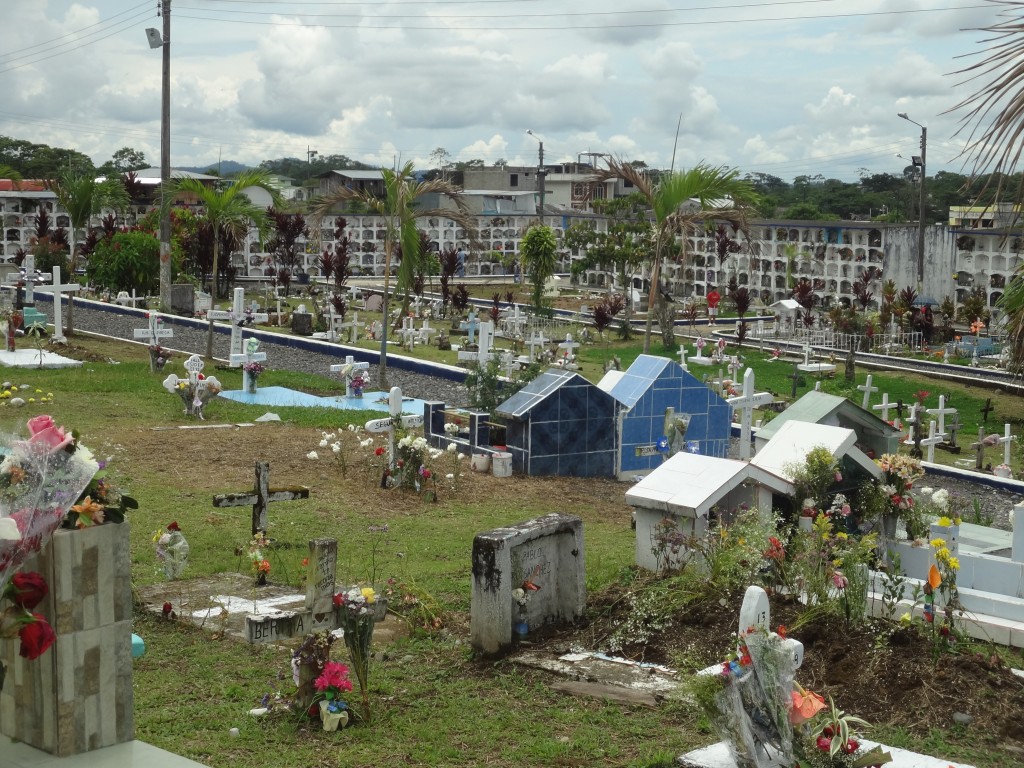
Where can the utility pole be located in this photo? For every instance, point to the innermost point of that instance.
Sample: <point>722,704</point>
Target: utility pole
<point>921,203</point>
<point>541,173</point>
<point>165,155</point>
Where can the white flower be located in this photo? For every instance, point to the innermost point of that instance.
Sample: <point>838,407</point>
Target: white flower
<point>451,428</point>
<point>419,443</point>
<point>941,498</point>
<point>927,490</point>
<point>336,447</point>
<point>351,427</point>
<point>323,443</point>
<point>451,448</point>
<point>889,490</point>
<point>405,442</point>
<point>366,443</point>
<point>461,456</point>
<point>435,453</point>
<point>312,455</point>
<point>808,503</point>
<point>450,476</point>
<point>9,530</point>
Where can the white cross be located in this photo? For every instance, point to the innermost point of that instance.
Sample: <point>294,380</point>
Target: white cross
<point>469,326</point>
<point>154,331</point>
<point>251,355</point>
<point>911,426</point>
<point>885,406</point>
<point>733,366</point>
<point>408,333</point>
<point>569,346</point>
<point>30,276</point>
<point>424,333</point>
<point>353,325</point>
<point>238,317</point>
<point>350,369</point>
<point>941,412</point>
<point>1006,440</point>
<point>807,354</point>
<point>388,425</point>
<point>682,357</point>
<point>509,363</point>
<point>513,321</point>
<point>537,340</point>
<point>932,440</point>
<point>58,290</point>
<point>745,403</point>
<point>486,341</point>
<point>868,390</point>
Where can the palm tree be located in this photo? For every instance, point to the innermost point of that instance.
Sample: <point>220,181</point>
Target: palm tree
<point>679,202</point>
<point>82,197</point>
<point>227,209</point>
<point>399,208</point>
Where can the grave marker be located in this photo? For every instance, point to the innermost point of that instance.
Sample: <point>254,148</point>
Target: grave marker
<point>867,389</point>
<point>353,326</point>
<point>884,407</point>
<point>940,413</point>
<point>979,450</point>
<point>260,497</point>
<point>568,348</point>
<point>239,317</point>
<point>931,441</point>
<point>1005,441</point>
<point>250,356</point>
<point>152,334</point>
<point>954,429</point>
<point>406,421</point>
<point>469,325</point>
<point>351,370</point>
<point>537,340</point>
<point>58,290</point>
<point>796,377</point>
<point>987,409</point>
<point>745,404</point>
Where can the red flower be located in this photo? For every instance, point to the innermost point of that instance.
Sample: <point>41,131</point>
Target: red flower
<point>782,631</point>
<point>168,608</point>
<point>379,451</point>
<point>339,599</point>
<point>824,743</point>
<point>775,550</point>
<point>27,590</point>
<point>173,526</point>
<point>36,637</point>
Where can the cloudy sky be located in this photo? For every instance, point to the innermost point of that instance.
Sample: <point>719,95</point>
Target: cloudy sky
<point>787,88</point>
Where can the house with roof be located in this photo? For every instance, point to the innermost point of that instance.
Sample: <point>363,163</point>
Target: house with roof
<point>874,436</point>
<point>675,502</point>
<point>699,422</point>
<point>560,424</point>
<point>371,181</point>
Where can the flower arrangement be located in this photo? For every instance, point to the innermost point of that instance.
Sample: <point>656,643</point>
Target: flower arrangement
<point>172,549</point>
<point>257,559</point>
<point>16,395</point>
<point>254,369</point>
<point>195,391</point>
<point>40,478</point>
<point>159,356</point>
<point>100,502</point>
<point>358,609</point>
<point>359,383</point>
<point>330,685</point>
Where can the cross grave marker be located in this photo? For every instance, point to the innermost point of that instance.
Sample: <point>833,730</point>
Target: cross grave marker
<point>987,409</point>
<point>940,413</point>
<point>58,290</point>
<point>251,355</point>
<point>350,370</point>
<point>353,326</point>
<point>469,325</point>
<point>745,403</point>
<point>152,334</point>
<point>932,440</point>
<point>1006,440</point>
<point>406,421</point>
<point>868,390</point>
<point>260,497</point>
<point>884,407</point>
<point>239,317</point>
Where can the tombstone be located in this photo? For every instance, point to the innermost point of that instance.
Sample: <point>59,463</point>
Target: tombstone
<point>249,357</point>
<point>408,333</point>
<point>745,403</point>
<point>867,389</point>
<point>548,553</point>
<point>374,303</point>
<point>425,332</point>
<point>183,299</point>
<point>568,348</point>
<point>699,359</point>
<point>483,353</point>
<point>239,316</point>
<point>941,413</point>
<point>302,323</point>
<point>513,321</point>
<point>954,429</point>
<point>979,450</point>
<point>884,407</point>
<point>353,327</point>
<point>537,341</point>
<point>470,325</point>
<point>931,441</point>
<point>406,421</point>
<point>58,290</point>
<point>152,335</point>
<point>1006,440</point>
<point>260,497</point>
<point>682,357</point>
<point>796,378</point>
<point>194,391</point>
<point>351,370</point>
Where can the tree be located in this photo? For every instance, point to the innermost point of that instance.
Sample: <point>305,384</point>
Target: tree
<point>678,202</point>
<point>539,251</point>
<point>82,196</point>
<point>285,244</point>
<point>122,161</point>
<point>229,211</point>
<point>400,211</point>
<point>125,261</point>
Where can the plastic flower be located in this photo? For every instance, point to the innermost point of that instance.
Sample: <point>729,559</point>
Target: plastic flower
<point>89,512</point>
<point>944,522</point>
<point>805,705</point>
<point>369,595</point>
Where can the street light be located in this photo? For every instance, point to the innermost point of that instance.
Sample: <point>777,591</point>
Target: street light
<point>920,212</point>
<point>310,154</point>
<point>541,173</point>
<point>155,41</point>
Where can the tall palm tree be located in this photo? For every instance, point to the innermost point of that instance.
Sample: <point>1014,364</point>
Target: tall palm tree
<point>82,197</point>
<point>680,202</point>
<point>227,209</point>
<point>400,210</point>
<point>993,121</point>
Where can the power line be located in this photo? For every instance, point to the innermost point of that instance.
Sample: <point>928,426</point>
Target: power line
<point>75,33</point>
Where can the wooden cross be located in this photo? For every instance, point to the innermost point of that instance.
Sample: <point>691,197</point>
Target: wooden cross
<point>900,408</point>
<point>867,389</point>
<point>58,290</point>
<point>745,403</point>
<point>987,409</point>
<point>796,377</point>
<point>931,441</point>
<point>979,450</point>
<point>260,497</point>
<point>954,428</point>
<point>941,412</point>
<point>915,436</point>
<point>350,369</point>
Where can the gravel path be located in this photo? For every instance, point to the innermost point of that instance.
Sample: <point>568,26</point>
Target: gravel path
<point>995,504</point>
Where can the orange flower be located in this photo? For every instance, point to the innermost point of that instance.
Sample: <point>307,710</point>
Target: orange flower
<point>264,566</point>
<point>934,577</point>
<point>89,512</point>
<point>805,705</point>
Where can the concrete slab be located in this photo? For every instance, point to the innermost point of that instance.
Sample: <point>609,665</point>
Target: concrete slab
<point>282,397</point>
<point>718,756</point>
<point>35,358</point>
<point>128,755</point>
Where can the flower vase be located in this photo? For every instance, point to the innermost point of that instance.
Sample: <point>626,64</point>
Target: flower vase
<point>332,720</point>
<point>889,522</point>
<point>250,385</point>
<point>357,391</point>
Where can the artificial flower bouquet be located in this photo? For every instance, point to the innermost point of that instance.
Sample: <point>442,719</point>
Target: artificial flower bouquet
<point>254,369</point>
<point>330,686</point>
<point>357,609</point>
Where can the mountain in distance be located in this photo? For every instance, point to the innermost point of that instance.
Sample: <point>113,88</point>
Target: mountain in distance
<point>223,168</point>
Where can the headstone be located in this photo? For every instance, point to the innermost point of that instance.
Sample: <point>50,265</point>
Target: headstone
<point>58,290</point>
<point>867,389</point>
<point>240,317</point>
<point>931,441</point>
<point>544,558</point>
<point>260,497</point>
<point>469,326</point>
<point>745,403</point>
<point>396,418</point>
<point>302,323</point>
<point>537,341</point>
<point>250,356</point>
<point>351,370</point>
<point>568,348</point>
<point>425,332</point>
<point>183,299</point>
<point>152,335</point>
<point>940,413</point>
<point>194,390</point>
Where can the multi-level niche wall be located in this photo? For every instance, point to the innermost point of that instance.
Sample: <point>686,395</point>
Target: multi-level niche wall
<point>986,261</point>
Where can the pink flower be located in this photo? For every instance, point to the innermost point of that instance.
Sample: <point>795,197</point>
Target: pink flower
<point>839,477</point>
<point>334,679</point>
<point>48,435</point>
<point>839,580</point>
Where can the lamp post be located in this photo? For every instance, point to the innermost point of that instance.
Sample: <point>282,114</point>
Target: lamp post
<point>155,41</point>
<point>920,211</point>
<point>541,173</point>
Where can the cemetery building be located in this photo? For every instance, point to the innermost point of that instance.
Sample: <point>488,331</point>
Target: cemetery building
<point>561,424</point>
<point>874,436</point>
<point>701,420</point>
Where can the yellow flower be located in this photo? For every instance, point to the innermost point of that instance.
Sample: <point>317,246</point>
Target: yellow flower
<point>957,521</point>
<point>906,618</point>
<point>954,563</point>
<point>945,522</point>
<point>842,536</point>
<point>39,391</point>
<point>369,594</point>
<point>938,543</point>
